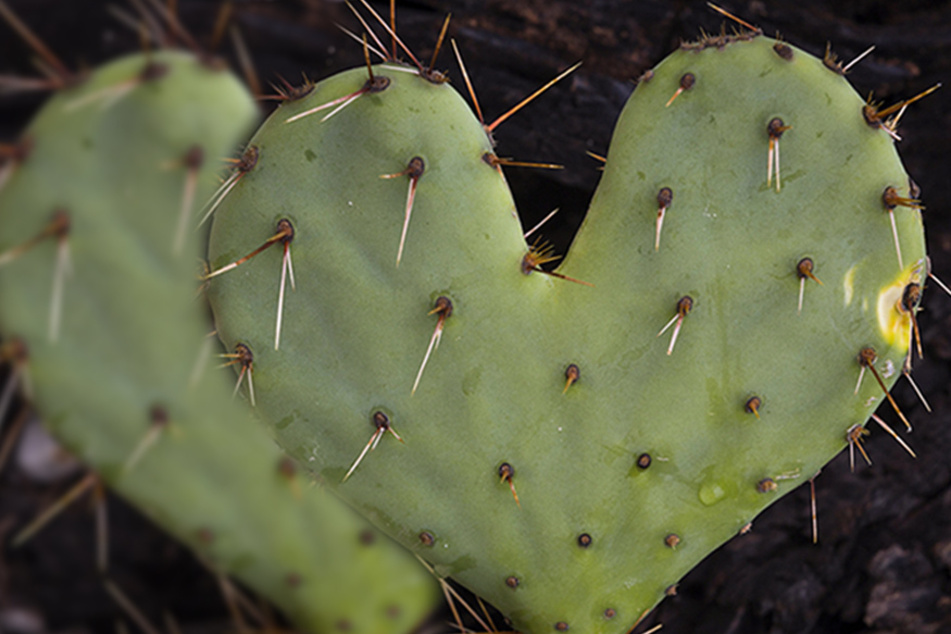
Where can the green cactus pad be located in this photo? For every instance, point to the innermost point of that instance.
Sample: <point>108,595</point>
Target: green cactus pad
<point>631,458</point>
<point>125,365</point>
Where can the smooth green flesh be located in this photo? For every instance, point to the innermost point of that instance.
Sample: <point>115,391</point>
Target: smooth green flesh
<point>357,327</point>
<point>133,332</point>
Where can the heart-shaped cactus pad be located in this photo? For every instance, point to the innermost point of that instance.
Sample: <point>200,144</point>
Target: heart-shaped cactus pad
<point>573,447</point>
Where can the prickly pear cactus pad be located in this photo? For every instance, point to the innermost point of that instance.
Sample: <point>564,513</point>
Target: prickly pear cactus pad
<point>123,368</point>
<point>570,450</point>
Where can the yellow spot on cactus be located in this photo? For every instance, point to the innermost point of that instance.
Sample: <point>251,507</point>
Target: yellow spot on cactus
<point>848,286</point>
<point>894,324</point>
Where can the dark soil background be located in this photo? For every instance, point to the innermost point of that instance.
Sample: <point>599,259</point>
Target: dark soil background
<point>883,561</point>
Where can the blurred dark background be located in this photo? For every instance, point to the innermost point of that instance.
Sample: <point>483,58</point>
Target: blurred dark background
<point>883,562</point>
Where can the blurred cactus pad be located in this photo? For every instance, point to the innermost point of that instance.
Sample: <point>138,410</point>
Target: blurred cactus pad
<point>100,266</point>
<point>573,447</point>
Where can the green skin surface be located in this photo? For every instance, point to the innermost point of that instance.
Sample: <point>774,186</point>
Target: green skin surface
<point>132,335</point>
<point>356,328</point>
